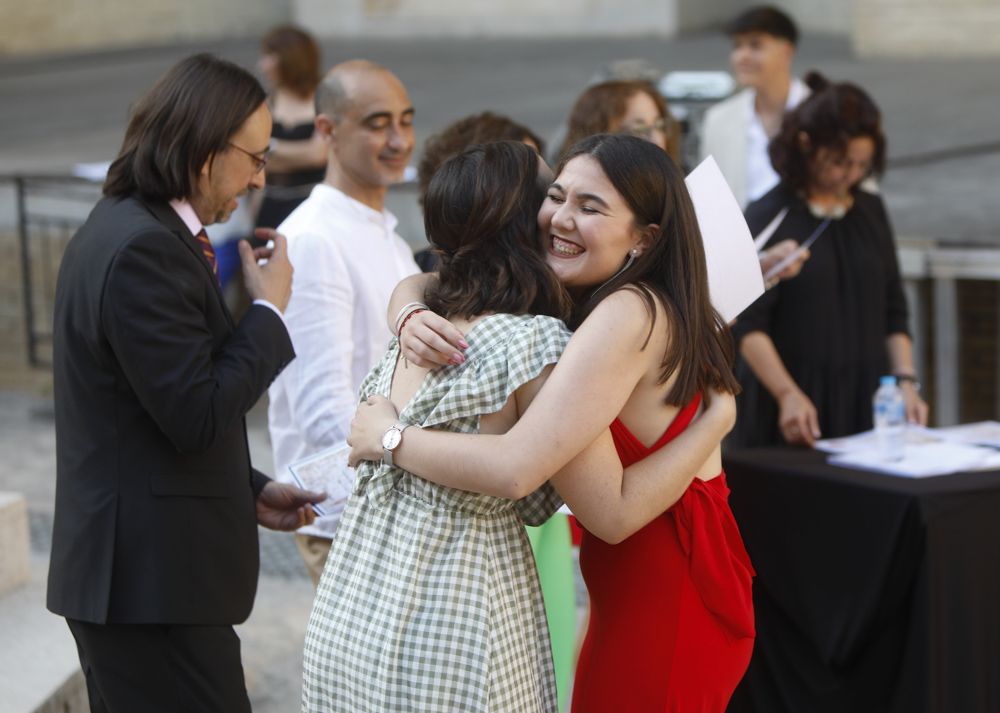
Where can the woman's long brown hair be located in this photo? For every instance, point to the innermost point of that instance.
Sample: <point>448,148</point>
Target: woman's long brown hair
<point>670,271</point>
<point>481,217</point>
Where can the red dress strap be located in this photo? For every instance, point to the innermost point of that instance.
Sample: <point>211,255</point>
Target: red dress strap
<point>631,449</point>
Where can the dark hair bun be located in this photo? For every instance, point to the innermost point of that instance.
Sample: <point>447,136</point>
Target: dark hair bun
<point>816,81</point>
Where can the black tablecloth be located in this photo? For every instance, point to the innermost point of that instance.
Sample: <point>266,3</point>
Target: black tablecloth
<point>873,592</point>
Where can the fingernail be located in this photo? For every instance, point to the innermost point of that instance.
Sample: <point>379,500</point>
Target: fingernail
<point>459,358</point>
<point>462,343</point>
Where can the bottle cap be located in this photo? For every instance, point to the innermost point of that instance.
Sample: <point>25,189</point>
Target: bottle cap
<point>887,380</point>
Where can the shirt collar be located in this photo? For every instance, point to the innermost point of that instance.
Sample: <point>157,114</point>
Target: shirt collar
<point>185,211</point>
<point>383,218</point>
<point>797,91</point>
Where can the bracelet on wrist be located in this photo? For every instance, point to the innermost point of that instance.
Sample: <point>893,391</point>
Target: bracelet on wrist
<point>406,319</point>
<point>911,378</point>
<point>405,312</point>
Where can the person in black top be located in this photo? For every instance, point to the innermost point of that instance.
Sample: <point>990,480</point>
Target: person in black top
<point>290,62</point>
<point>813,347</point>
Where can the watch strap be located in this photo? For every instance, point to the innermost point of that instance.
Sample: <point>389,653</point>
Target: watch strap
<point>387,452</point>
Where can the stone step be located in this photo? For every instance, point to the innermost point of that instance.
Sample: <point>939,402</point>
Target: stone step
<point>39,668</point>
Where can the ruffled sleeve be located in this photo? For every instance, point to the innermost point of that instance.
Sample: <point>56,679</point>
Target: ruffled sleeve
<point>505,352</point>
<point>537,507</point>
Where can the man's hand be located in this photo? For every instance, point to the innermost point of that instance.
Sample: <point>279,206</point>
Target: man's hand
<point>272,281</point>
<point>281,506</point>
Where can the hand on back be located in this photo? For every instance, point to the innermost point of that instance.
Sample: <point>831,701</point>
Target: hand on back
<point>428,340</point>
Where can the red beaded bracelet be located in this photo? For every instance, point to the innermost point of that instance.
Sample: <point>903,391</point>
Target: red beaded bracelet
<point>407,319</point>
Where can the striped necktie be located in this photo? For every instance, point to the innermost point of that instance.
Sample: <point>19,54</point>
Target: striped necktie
<point>208,251</point>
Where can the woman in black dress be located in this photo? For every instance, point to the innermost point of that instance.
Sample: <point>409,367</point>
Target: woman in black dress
<point>290,62</point>
<point>813,347</point>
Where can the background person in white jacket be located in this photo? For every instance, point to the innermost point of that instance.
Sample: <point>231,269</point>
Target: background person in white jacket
<point>737,130</point>
<point>348,258</point>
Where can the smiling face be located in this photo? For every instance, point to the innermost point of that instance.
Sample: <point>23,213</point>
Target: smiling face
<point>833,173</point>
<point>232,172</point>
<point>586,226</point>
<point>642,118</point>
<point>758,57</point>
<point>372,141</point>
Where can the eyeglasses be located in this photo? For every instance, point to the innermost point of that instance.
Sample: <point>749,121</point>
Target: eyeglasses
<point>259,160</point>
<point>646,130</point>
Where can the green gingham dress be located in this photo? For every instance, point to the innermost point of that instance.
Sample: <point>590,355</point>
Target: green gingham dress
<point>430,600</point>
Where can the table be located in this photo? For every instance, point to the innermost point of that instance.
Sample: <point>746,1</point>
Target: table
<point>873,593</point>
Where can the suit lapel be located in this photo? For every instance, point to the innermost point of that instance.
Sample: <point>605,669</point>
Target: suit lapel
<point>170,220</point>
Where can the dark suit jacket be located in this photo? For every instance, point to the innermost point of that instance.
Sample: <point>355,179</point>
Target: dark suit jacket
<point>154,516</point>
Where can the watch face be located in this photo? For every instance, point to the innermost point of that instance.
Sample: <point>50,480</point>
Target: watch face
<point>391,438</point>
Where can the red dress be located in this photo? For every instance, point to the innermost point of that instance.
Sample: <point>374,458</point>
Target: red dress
<point>671,616</point>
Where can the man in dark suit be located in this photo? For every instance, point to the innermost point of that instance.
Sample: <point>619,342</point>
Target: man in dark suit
<point>154,547</point>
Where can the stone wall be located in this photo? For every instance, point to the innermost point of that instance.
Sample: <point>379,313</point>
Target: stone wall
<point>458,18</point>
<point>898,28</point>
<point>926,28</point>
<point>70,25</point>
<point>13,350</point>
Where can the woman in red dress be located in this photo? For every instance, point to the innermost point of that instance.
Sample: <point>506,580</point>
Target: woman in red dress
<point>670,607</point>
<point>672,620</point>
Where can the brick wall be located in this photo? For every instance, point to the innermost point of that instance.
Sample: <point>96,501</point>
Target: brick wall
<point>978,339</point>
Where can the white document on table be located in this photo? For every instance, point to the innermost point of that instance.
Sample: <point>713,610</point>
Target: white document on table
<point>326,471</point>
<point>923,460</point>
<point>981,433</point>
<point>734,277</point>
<point>913,435</point>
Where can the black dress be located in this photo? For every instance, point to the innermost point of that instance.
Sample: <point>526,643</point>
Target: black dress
<point>284,191</point>
<point>830,323</point>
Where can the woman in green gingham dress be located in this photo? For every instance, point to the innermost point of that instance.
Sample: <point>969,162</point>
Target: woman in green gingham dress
<point>430,600</point>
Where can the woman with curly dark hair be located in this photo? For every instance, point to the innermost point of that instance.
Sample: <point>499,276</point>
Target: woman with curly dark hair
<point>814,347</point>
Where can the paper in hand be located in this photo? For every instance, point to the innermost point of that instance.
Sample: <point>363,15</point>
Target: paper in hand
<point>326,471</point>
<point>734,278</point>
<point>797,253</point>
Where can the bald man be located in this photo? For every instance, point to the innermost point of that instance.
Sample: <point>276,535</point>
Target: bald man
<point>347,259</point>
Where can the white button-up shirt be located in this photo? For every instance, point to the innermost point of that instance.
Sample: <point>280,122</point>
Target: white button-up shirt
<point>347,259</point>
<point>761,176</point>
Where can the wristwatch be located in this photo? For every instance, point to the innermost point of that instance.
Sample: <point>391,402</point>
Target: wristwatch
<point>392,437</point>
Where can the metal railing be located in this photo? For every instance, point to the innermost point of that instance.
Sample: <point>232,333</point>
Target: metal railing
<point>49,209</point>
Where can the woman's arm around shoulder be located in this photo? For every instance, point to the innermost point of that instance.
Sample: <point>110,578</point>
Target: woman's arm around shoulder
<point>613,504</point>
<point>589,386</point>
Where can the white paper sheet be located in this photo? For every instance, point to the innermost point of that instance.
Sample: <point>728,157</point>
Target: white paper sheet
<point>734,278</point>
<point>981,433</point>
<point>326,471</point>
<point>913,435</point>
<point>923,460</point>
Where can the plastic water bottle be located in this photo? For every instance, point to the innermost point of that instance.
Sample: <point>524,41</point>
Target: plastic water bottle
<point>889,411</point>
